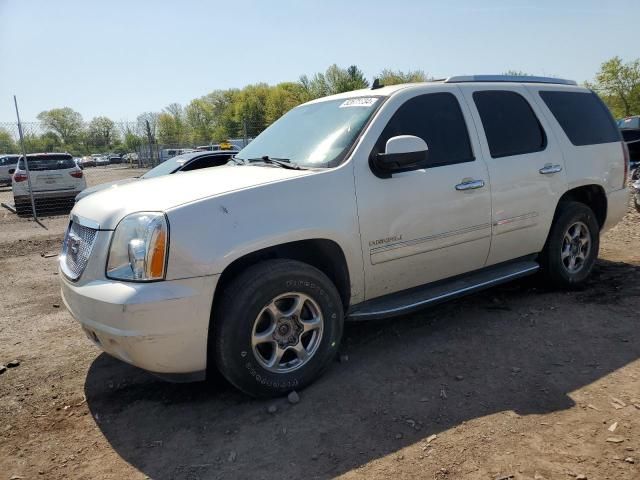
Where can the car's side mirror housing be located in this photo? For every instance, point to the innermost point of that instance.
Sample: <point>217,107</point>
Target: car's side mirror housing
<point>402,154</point>
<point>12,171</point>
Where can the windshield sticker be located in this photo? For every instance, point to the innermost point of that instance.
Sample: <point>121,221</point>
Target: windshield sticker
<point>359,102</point>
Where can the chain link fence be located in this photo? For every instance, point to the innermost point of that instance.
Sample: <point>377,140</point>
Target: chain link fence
<point>62,162</point>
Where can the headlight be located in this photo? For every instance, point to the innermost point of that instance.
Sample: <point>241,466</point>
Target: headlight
<point>139,248</point>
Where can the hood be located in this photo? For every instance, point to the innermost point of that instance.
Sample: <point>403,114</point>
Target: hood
<point>104,186</point>
<point>108,206</point>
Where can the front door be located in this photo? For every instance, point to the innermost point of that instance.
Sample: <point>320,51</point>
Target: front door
<point>424,225</point>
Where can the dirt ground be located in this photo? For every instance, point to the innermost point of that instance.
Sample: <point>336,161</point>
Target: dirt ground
<point>516,382</point>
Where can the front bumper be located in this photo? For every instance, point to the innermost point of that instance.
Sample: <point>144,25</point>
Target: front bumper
<point>161,327</point>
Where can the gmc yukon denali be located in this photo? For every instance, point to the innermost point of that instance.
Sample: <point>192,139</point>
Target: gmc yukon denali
<point>362,205</point>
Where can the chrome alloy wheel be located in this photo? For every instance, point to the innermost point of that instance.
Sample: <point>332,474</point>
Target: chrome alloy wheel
<point>576,246</point>
<point>287,332</point>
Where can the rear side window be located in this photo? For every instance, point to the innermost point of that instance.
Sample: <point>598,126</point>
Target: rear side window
<point>582,116</point>
<point>509,123</point>
<point>438,120</point>
<point>48,162</point>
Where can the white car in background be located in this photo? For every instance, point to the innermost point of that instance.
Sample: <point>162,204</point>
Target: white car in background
<point>7,164</point>
<point>55,180</point>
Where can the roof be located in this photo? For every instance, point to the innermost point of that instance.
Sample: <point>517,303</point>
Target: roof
<point>391,89</point>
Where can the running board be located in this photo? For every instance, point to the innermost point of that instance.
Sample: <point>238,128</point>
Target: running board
<point>416,298</point>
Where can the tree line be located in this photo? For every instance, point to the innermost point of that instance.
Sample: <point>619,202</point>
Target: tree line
<point>245,112</point>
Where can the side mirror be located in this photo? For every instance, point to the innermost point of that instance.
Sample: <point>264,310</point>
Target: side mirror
<point>12,171</point>
<point>402,154</point>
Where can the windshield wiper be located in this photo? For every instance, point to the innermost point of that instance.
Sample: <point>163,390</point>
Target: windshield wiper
<point>280,162</point>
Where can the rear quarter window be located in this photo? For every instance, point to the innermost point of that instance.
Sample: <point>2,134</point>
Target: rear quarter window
<point>584,118</point>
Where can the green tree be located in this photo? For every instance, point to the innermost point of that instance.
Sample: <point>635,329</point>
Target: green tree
<point>333,80</point>
<point>171,125</point>
<point>394,77</point>
<point>147,125</point>
<point>101,132</point>
<point>249,107</point>
<point>7,144</point>
<point>618,84</point>
<point>282,98</point>
<point>200,119</point>
<point>65,122</point>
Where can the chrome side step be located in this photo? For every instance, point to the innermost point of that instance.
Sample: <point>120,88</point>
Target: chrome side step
<point>416,298</point>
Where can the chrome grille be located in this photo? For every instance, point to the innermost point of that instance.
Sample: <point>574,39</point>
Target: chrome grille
<point>76,249</point>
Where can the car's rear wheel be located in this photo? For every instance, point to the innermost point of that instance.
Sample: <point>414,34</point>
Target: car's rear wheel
<point>572,246</point>
<point>277,327</point>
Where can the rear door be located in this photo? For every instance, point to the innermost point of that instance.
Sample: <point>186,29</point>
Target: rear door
<point>52,172</point>
<point>526,167</point>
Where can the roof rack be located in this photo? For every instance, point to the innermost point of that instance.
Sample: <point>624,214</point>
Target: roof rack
<point>508,78</point>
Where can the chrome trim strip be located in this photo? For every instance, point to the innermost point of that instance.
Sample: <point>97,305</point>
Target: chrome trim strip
<point>506,221</point>
<point>508,78</point>
<point>85,222</point>
<point>417,241</point>
<point>448,294</point>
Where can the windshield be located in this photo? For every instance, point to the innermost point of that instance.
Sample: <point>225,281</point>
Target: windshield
<point>166,167</point>
<point>315,135</point>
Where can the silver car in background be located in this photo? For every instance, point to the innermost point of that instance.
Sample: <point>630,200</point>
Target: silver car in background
<point>7,166</point>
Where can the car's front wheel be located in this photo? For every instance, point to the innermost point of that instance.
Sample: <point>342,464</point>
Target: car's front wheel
<point>277,327</point>
<point>572,246</point>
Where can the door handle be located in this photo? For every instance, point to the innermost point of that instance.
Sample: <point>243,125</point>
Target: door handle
<point>547,169</point>
<point>470,185</point>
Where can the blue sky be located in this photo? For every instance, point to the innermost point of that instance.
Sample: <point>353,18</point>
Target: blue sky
<point>122,57</point>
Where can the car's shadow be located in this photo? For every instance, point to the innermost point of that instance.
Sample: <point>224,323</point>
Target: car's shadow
<point>514,347</point>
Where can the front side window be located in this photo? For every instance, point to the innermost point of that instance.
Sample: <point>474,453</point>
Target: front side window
<point>438,120</point>
<point>583,117</point>
<point>315,135</point>
<point>510,125</point>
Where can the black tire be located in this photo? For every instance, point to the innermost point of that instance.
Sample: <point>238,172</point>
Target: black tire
<point>238,311</point>
<point>554,269</point>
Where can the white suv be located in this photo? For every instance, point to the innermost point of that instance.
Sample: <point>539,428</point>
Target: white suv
<point>362,205</point>
<point>55,181</point>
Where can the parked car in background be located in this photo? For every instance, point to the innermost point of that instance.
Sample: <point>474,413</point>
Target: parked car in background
<point>87,161</point>
<point>102,160</point>
<point>7,163</point>
<point>78,161</point>
<point>55,180</point>
<point>629,122</point>
<point>182,163</point>
<point>632,139</point>
<point>363,205</point>
<point>115,159</point>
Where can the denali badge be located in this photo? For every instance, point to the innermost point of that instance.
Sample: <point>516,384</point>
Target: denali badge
<point>384,241</point>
